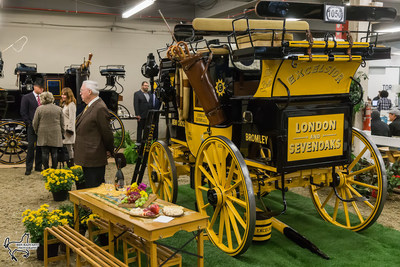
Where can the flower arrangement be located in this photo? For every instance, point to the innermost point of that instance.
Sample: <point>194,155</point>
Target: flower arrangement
<point>136,194</point>
<point>393,182</point>
<point>35,221</point>
<point>78,172</point>
<point>58,179</point>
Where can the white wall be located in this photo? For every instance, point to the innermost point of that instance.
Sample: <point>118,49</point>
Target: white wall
<point>56,40</point>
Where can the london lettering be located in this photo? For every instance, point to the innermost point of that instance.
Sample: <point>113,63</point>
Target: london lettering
<point>316,126</point>
<point>320,68</point>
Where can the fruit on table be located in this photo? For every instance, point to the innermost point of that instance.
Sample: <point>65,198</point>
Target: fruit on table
<point>154,208</point>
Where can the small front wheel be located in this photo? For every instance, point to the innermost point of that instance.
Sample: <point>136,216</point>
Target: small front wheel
<point>162,172</point>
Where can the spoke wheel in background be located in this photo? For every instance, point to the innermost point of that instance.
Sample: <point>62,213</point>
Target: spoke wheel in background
<point>118,130</point>
<point>162,172</point>
<point>225,193</point>
<point>13,142</point>
<point>364,180</point>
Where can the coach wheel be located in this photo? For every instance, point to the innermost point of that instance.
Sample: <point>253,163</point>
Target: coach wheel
<point>162,172</point>
<point>363,182</point>
<point>118,130</point>
<point>13,142</point>
<point>224,192</point>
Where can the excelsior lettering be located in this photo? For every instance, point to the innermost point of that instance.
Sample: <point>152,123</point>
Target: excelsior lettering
<point>320,68</point>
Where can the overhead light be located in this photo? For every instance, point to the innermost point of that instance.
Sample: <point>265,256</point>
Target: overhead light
<point>390,30</point>
<point>292,19</point>
<point>139,7</point>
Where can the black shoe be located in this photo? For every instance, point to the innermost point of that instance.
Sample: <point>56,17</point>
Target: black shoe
<point>27,172</point>
<point>38,169</point>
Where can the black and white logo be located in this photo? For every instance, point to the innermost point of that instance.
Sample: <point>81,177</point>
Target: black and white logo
<point>334,14</point>
<point>23,246</point>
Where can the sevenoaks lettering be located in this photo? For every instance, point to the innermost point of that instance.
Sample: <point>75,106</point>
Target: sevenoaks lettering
<point>320,68</point>
<point>315,146</point>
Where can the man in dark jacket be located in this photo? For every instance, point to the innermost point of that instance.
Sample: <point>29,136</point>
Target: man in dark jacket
<point>142,102</point>
<point>94,137</point>
<point>378,127</point>
<point>29,104</point>
<point>394,117</point>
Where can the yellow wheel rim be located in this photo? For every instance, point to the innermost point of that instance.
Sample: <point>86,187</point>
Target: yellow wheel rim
<point>162,172</point>
<point>224,192</point>
<point>364,180</point>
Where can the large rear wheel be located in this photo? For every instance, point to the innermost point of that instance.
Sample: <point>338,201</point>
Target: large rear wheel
<point>361,187</point>
<point>118,130</point>
<point>162,172</point>
<point>224,192</point>
<point>13,142</point>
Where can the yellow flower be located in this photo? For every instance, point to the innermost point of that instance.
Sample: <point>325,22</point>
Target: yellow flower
<point>26,212</point>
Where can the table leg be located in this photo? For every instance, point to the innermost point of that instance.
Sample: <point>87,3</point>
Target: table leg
<point>111,238</point>
<point>200,248</point>
<point>153,254</point>
<point>76,217</point>
<point>45,237</point>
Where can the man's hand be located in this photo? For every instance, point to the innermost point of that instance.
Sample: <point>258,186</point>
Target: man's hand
<point>110,154</point>
<point>138,118</point>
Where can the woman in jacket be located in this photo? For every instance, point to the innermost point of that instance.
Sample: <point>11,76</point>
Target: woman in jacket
<point>48,124</point>
<point>68,104</point>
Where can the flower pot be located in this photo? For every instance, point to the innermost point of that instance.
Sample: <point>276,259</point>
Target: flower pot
<point>52,251</point>
<point>60,195</point>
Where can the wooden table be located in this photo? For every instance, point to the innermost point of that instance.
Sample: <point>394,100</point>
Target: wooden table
<point>145,228</point>
<point>389,146</point>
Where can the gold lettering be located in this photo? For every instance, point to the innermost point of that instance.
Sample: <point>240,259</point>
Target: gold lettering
<point>338,79</point>
<point>291,79</point>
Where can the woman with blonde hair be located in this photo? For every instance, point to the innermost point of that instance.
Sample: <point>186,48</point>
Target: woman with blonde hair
<point>48,124</point>
<point>68,104</point>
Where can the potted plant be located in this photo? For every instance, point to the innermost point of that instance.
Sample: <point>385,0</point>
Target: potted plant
<point>78,172</point>
<point>35,221</point>
<point>59,182</point>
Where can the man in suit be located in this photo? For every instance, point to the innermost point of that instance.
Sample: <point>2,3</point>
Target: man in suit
<point>29,104</point>
<point>94,137</point>
<point>142,102</point>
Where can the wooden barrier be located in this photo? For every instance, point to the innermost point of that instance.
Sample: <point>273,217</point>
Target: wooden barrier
<point>135,244</point>
<point>84,248</point>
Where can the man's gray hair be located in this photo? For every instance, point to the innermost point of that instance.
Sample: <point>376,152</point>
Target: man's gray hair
<point>46,98</point>
<point>92,86</point>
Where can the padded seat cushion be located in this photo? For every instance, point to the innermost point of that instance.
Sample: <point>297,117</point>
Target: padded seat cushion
<point>225,25</point>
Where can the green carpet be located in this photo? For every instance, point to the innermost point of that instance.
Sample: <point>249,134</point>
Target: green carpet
<point>376,246</point>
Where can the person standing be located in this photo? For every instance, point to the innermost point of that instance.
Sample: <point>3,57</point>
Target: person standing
<point>94,138</point>
<point>378,127</point>
<point>29,104</point>
<point>142,102</point>
<point>394,117</point>
<point>48,124</point>
<point>68,104</point>
<point>384,103</point>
